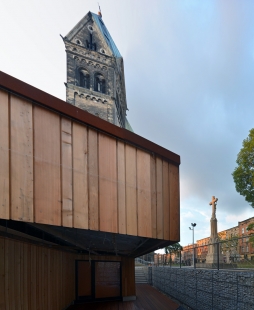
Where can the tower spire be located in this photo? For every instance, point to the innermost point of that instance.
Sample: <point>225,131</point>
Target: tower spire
<point>99,13</point>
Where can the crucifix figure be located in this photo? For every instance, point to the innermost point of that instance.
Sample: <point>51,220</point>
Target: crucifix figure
<point>213,203</point>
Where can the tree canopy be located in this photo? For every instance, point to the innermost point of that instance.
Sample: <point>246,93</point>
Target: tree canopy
<point>251,227</point>
<point>244,173</point>
<point>173,248</point>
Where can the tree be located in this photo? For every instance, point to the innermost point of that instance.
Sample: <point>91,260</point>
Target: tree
<point>244,173</point>
<point>250,227</point>
<point>173,248</point>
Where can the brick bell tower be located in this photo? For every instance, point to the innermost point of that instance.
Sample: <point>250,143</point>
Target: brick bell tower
<point>95,71</point>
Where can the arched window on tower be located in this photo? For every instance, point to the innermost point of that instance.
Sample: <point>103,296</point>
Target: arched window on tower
<point>99,83</point>
<point>84,78</point>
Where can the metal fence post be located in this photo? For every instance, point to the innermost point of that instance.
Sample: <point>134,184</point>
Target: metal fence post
<point>194,257</point>
<point>218,256</point>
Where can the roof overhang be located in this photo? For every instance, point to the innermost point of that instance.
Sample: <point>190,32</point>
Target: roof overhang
<point>80,240</point>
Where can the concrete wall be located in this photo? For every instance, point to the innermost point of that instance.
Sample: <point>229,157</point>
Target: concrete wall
<point>206,289</point>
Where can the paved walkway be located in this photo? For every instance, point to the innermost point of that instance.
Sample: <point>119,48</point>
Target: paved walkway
<point>148,298</point>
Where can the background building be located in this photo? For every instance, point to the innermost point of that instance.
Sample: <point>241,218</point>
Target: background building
<point>229,244</point>
<point>245,247</point>
<point>202,249</point>
<point>187,254</point>
<point>234,244</point>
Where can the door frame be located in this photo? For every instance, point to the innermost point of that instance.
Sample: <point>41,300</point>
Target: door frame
<point>92,297</point>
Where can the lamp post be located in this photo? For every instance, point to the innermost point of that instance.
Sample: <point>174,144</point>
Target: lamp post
<point>193,225</point>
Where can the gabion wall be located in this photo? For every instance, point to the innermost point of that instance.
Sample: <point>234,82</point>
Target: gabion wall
<point>206,289</point>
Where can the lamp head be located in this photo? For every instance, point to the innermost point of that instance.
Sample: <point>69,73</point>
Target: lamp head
<point>193,224</point>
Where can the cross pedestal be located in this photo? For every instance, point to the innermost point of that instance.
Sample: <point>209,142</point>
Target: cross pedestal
<point>213,245</point>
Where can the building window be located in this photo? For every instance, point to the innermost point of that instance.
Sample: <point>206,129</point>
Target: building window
<point>90,44</point>
<point>243,230</point>
<point>100,83</point>
<point>102,51</point>
<point>84,78</point>
<point>90,28</point>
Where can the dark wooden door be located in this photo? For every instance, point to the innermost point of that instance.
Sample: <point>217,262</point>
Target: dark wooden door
<point>98,280</point>
<point>83,280</point>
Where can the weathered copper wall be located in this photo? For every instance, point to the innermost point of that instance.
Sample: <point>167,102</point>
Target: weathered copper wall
<point>58,171</point>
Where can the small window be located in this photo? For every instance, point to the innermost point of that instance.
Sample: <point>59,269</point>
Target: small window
<point>90,28</point>
<point>84,78</point>
<point>100,83</point>
<point>90,44</point>
<point>243,230</point>
<point>78,42</point>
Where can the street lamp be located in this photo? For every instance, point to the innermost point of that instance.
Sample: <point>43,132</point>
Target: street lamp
<point>193,225</point>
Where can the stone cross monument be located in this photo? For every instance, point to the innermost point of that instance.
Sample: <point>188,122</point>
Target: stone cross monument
<point>213,246</point>
<point>213,221</point>
<point>213,203</point>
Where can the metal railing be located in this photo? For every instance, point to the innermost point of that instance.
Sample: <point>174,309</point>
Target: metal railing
<point>233,253</point>
<point>141,261</point>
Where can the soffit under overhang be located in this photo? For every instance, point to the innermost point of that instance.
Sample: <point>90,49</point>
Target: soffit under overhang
<point>81,240</point>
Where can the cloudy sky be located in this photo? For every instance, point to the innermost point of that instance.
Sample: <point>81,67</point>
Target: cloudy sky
<point>189,72</point>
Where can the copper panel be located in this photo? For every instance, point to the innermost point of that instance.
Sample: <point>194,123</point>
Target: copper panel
<point>62,107</point>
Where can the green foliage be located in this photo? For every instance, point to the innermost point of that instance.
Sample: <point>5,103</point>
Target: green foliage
<point>173,248</point>
<point>234,238</point>
<point>252,240</point>
<point>250,227</point>
<point>244,173</point>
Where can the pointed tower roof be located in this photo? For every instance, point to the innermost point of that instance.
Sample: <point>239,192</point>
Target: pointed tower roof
<point>106,34</point>
<point>103,29</point>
